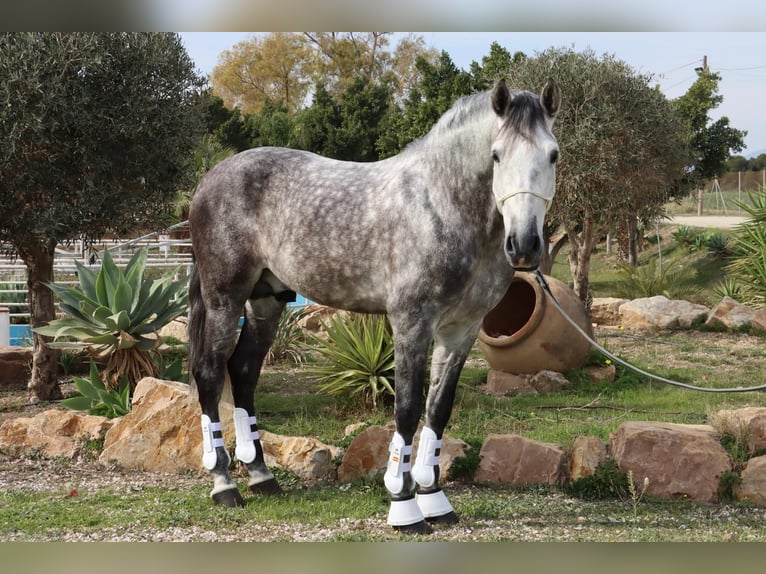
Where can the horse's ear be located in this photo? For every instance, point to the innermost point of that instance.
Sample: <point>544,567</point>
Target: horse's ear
<point>550,97</point>
<point>501,97</point>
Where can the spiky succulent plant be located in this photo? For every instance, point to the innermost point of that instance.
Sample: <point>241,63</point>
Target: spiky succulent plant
<point>116,315</point>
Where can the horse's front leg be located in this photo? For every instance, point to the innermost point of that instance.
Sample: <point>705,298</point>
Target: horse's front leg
<point>411,343</point>
<point>451,348</point>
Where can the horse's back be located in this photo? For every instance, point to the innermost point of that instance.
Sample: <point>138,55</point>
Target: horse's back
<point>305,217</point>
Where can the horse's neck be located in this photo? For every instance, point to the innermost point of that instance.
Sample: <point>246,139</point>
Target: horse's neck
<point>460,159</point>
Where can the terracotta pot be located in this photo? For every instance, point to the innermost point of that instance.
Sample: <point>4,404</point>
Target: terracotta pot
<point>526,333</point>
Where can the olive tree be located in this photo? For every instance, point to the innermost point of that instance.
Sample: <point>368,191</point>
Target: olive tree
<point>623,147</point>
<point>96,130</point>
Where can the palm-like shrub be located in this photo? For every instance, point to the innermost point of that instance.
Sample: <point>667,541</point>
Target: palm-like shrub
<point>671,280</point>
<point>748,268</point>
<point>289,340</point>
<point>359,358</point>
<point>95,399</point>
<point>116,315</point>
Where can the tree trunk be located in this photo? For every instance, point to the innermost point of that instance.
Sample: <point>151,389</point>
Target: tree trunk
<point>627,237</point>
<point>43,384</point>
<point>700,197</point>
<point>579,258</point>
<point>549,255</point>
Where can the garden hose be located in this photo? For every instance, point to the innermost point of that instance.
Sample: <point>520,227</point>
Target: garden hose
<point>544,284</point>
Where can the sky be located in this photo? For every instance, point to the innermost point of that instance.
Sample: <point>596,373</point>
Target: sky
<point>669,57</point>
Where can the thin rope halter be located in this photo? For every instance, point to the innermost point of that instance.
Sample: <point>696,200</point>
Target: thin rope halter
<point>512,193</point>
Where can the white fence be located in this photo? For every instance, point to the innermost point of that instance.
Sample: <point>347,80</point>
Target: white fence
<point>165,252</point>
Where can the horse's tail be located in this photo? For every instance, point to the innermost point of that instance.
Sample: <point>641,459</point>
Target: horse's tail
<point>196,323</point>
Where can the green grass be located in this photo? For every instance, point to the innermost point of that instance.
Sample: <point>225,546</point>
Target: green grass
<point>358,514</point>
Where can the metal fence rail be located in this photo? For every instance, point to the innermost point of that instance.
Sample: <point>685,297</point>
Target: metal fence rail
<point>167,249</point>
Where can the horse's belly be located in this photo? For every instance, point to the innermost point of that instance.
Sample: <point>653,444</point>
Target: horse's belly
<point>337,286</point>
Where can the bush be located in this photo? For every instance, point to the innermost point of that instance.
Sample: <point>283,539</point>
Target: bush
<point>289,341</point>
<point>95,399</point>
<point>748,267</point>
<point>359,357</point>
<point>648,280</point>
<point>606,482</point>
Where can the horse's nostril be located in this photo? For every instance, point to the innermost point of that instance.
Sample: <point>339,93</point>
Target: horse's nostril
<point>535,244</point>
<point>510,245</point>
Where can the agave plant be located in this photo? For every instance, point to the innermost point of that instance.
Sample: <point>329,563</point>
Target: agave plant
<point>95,399</point>
<point>359,355</point>
<point>116,315</point>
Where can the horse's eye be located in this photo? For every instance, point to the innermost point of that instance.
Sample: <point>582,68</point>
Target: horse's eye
<point>554,155</point>
<point>495,157</point>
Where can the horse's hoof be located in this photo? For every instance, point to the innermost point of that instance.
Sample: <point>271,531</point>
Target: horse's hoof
<point>230,497</point>
<point>421,527</point>
<point>444,520</point>
<point>270,486</point>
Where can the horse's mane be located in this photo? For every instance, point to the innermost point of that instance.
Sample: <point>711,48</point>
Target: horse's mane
<point>522,116</point>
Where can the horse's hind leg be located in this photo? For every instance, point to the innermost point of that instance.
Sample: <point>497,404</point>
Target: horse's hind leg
<point>261,320</point>
<point>212,336</point>
<point>451,348</point>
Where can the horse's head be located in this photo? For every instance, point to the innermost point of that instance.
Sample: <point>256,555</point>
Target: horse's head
<point>524,177</point>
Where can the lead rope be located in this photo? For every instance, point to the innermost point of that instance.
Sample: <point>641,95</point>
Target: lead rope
<point>544,284</point>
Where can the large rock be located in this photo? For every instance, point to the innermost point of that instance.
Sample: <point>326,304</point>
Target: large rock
<point>367,455</point>
<point>679,460</point>
<point>587,453</point>
<point>544,382</point>
<point>162,433</point>
<point>178,328</point>
<point>54,432</point>
<point>730,314</point>
<point>518,461</point>
<point>606,310</point>
<point>750,421</point>
<point>758,320</point>
<point>15,364</point>
<point>753,487</point>
<point>659,311</point>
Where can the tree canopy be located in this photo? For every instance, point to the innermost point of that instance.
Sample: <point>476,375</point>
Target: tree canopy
<point>712,142</point>
<point>282,68</point>
<point>622,146</point>
<point>96,134</point>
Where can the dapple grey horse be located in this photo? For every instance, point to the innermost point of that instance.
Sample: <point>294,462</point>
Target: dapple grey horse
<point>431,237</point>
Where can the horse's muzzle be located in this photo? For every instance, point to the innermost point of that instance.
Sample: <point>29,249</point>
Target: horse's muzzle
<point>524,250</point>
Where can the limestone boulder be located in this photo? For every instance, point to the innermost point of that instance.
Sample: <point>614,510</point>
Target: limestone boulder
<point>15,364</point>
<point>55,432</point>
<point>500,383</point>
<point>679,460</point>
<point>748,420</point>
<point>178,328</point>
<point>544,382</point>
<point>518,461</point>
<point>548,382</point>
<point>367,455</point>
<point>306,457</point>
<point>753,487</point>
<point>606,310</point>
<point>730,314</point>
<point>162,433</point>
<point>587,453</point>
<point>758,320</point>
<point>661,312</point>
<point>601,374</point>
